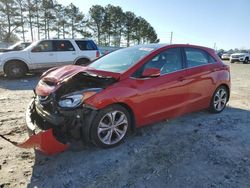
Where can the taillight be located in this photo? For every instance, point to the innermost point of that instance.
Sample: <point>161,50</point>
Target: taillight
<point>97,54</point>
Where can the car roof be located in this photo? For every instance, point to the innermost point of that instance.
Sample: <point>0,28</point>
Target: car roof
<point>156,46</point>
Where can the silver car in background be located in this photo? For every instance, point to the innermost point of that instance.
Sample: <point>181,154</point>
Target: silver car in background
<point>225,56</point>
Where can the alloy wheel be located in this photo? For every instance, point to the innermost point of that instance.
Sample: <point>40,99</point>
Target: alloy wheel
<point>112,127</point>
<point>220,99</point>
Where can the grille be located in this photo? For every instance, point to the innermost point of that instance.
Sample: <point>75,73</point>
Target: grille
<point>46,103</point>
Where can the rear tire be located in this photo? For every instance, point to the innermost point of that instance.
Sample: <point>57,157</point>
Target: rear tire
<point>219,100</point>
<point>15,69</point>
<point>110,126</point>
<point>83,62</point>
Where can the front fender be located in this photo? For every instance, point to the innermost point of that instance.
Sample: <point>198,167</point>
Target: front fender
<point>114,95</point>
<point>17,59</point>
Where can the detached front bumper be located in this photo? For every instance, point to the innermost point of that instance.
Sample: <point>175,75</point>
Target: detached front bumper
<point>52,133</point>
<point>43,140</point>
<point>57,127</point>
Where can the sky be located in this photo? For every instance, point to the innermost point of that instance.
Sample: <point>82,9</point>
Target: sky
<point>221,23</point>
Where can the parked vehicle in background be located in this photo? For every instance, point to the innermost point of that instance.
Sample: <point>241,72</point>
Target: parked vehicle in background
<point>104,50</point>
<point>45,54</point>
<point>128,88</point>
<point>219,54</point>
<point>240,57</point>
<point>16,47</point>
<point>225,56</point>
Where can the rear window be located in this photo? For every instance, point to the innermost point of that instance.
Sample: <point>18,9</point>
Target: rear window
<point>86,45</point>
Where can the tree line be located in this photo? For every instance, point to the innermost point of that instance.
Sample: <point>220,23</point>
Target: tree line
<point>37,19</point>
<point>236,50</point>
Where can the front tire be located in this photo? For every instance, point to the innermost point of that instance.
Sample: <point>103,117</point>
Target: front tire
<point>15,69</point>
<point>110,126</point>
<point>219,100</point>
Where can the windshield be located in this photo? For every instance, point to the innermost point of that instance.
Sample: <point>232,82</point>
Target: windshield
<point>121,60</point>
<point>14,45</point>
<point>19,46</point>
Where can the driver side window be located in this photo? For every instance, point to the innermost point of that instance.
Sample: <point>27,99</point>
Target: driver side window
<point>167,61</point>
<point>44,46</point>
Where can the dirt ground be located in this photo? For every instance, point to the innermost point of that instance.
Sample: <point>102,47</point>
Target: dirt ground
<point>195,150</point>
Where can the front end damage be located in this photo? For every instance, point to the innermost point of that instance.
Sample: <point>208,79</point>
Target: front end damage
<point>63,111</point>
<point>57,116</point>
<point>66,125</point>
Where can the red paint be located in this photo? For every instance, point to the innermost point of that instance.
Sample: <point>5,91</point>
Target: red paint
<point>167,96</point>
<point>45,142</point>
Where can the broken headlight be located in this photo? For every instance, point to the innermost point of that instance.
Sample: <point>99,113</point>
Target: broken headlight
<point>76,99</point>
<point>71,101</point>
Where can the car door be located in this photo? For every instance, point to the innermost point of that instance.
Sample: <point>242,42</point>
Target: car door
<point>164,96</point>
<point>200,78</point>
<point>66,53</point>
<point>43,55</point>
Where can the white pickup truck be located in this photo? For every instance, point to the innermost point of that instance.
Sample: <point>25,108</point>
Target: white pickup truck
<point>45,54</point>
<point>240,57</point>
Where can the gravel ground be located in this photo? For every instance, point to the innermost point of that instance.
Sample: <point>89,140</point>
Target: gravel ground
<point>195,150</point>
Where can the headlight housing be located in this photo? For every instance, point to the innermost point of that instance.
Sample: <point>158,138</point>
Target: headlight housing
<point>74,100</point>
<point>71,101</point>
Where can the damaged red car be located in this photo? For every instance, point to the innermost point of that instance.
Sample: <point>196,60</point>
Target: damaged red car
<point>127,89</point>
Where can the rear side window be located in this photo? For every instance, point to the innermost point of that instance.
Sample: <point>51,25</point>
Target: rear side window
<point>86,45</point>
<point>63,45</point>
<point>196,57</point>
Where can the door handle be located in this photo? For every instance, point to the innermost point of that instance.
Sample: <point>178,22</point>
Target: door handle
<point>181,78</point>
<point>51,54</point>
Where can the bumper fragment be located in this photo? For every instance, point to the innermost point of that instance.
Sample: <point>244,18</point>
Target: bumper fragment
<point>43,140</point>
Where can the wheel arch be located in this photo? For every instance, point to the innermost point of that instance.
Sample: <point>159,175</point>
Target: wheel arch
<point>81,57</point>
<point>15,60</point>
<point>132,115</point>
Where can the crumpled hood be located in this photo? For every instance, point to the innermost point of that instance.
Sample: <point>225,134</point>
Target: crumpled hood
<point>52,79</point>
<point>57,74</point>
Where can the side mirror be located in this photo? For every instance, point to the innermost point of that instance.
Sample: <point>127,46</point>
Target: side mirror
<point>151,72</point>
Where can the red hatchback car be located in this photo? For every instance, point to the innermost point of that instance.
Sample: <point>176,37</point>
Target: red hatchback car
<point>126,89</point>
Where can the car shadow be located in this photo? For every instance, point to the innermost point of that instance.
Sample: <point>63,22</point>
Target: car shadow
<point>27,83</point>
<point>151,152</point>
